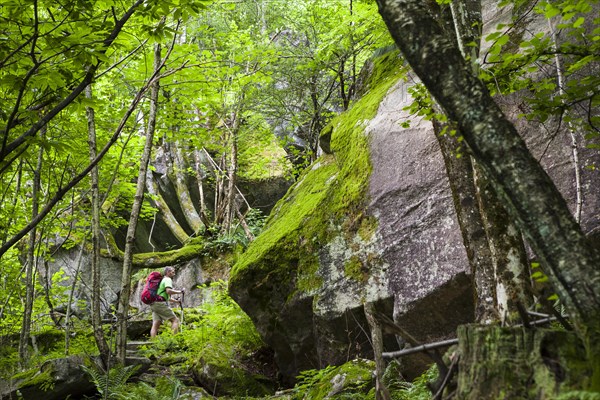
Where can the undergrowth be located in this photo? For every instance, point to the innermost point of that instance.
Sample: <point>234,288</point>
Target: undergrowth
<point>217,331</point>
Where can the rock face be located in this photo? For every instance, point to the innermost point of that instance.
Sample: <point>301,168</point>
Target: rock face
<point>410,197</point>
<point>373,221</point>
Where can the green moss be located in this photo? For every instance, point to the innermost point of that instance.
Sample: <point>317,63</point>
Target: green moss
<point>24,375</point>
<point>327,196</point>
<point>367,228</point>
<point>309,280</point>
<point>356,270</point>
<point>35,377</point>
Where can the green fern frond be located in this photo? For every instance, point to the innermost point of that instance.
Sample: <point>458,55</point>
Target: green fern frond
<point>111,384</point>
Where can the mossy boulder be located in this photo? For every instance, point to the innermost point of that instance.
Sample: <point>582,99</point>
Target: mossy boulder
<point>55,379</point>
<point>318,260</point>
<point>368,220</point>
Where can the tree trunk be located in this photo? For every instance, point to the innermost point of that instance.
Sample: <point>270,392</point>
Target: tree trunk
<point>510,272</point>
<point>124,293</point>
<point>381,391</point>
<point>460,24</point>
<point>519,363</point>
<point>199,179</point>
<point>95,267</point>
<point>70,300</point>
<point>529,194</point>
<point>464,196</point>
<point>509,259</point>
<point>30,263</point>
<point>232,171</point>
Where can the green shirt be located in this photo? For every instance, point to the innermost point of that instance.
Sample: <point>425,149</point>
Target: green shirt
<point>162,288</point>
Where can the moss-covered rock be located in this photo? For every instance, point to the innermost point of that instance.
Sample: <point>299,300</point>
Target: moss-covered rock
<point>352,380</point>
<point>317,257</point>
<point>55,379</point>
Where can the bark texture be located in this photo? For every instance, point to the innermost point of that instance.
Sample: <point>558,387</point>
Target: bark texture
<point>523,186</point>
<point>519,363</point>
<point>470,220</point>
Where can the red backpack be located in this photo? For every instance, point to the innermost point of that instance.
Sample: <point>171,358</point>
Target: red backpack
<point>150,291</point>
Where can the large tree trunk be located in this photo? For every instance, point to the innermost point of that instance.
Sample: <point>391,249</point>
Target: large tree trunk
<point>124,293</point>
<point>529,194</point>
<point>96,317</point>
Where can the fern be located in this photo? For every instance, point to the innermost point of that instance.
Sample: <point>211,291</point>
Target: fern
<point>111,385</point>
<point>309,378</point>
<point>165,389</point>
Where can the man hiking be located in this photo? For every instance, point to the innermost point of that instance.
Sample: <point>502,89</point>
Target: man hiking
<point>160,309</point>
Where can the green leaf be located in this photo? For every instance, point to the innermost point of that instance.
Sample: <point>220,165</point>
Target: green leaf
<point>551,11</point>
<point>579,22</point>
<point>553,297</point>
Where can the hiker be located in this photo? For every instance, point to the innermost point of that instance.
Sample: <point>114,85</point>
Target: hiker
<point>160,309</point>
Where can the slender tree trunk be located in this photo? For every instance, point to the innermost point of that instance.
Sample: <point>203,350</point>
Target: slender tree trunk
<point>96,316</point>
<point>316,120</point>
<point>560,79</point>
<point>232,171</point>
<point>29,269</point>
<point>124,293</point>
<point>199,179</point>
<point>464,195</point>
<point>70,300</point>
<point>220,179</point>
<point>567,257</point>
<point>381,391</point>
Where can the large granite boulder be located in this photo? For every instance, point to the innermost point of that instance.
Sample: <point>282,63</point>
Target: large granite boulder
<point>373,221</point>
